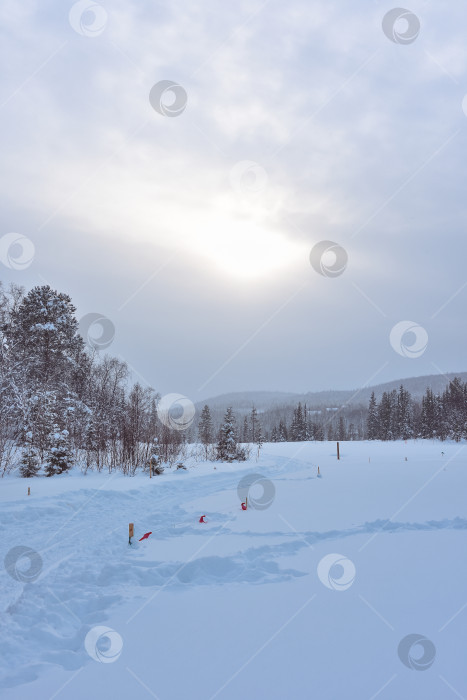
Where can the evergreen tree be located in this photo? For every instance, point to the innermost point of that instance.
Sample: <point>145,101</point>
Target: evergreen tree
<point>246,430</point>
<point>307,430</point>
<point>385,417</point>
<point>227,449</point>
<point>59,457</point>
<point>341,431</point>
<point>259,437</point>
<point>454,408</point>
<point>254,425</point>
<point>282,435</point>
<point>30,457</point>
<point>298,429</point>
<point>205,430</point>
<point>319,432</point>
<point>429,418</point>
<point>45,333</point>
<point>373,419</point>
<point>154,456</point>
<point>405,428</point>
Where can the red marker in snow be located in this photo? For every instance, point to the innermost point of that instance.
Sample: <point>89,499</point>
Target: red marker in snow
<point>145,536</point>
<point>202,520</point>
<point>243,506</point>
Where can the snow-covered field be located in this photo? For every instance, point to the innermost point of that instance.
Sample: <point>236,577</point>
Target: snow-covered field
<point>237,607</point>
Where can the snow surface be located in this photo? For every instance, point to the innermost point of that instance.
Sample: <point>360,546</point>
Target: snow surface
<point>235,608</point>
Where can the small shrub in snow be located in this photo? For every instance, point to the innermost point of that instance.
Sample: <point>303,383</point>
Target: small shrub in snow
<point>59,457</point>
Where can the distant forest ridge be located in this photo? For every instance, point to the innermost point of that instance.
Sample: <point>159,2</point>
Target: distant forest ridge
<point>427,406</point>
<point>243,401</point>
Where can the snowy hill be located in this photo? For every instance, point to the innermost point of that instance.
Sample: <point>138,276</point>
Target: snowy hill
<point>349,585</point>
<point>244,400</point>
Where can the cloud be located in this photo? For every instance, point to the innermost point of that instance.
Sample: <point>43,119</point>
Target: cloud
<point>351,131</point>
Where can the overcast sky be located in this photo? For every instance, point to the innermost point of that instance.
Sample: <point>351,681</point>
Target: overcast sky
<point>188,220</point>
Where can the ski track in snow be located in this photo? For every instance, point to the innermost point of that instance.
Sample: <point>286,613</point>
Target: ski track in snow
<point>85,566</point>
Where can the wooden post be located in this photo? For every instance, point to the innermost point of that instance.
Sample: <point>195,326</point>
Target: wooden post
<point>318,471</point>
<point>150,469</point>
<point>338,453</point>
<point>29,490</point>
<point>246,503</point>
<point>131,532</point>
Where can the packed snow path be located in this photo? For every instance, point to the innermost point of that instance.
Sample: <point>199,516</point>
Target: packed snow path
<point>237,606</point>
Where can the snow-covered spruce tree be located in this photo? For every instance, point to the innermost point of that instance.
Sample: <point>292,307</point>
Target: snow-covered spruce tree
<point>254,424</point>
<point>155,458</point>
<point>385,417</point>
<point>298,428</point>
<point>59,458</point>
<point>308,429</point>
<point>454,404</point>
<point>30,463</point>
<point>205,430</point>
<point>282,434</point>
<point>318,432</point>
<point>259,437</point>
<point>227,448</point>
<point>430,418</point>
<point>404,412</point>
<point>245,430</point>
<point>341,431</point>
<point>45,332</point>
<point>373,418</point>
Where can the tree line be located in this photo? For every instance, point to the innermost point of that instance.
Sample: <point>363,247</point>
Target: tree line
<point>61,403</point>
<point>398,416</point>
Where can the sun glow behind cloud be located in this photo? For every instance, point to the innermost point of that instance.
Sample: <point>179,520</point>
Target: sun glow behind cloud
<point>244,249</point>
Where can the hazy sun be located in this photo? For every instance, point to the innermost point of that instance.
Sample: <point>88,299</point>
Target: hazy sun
<point>245,249</point>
